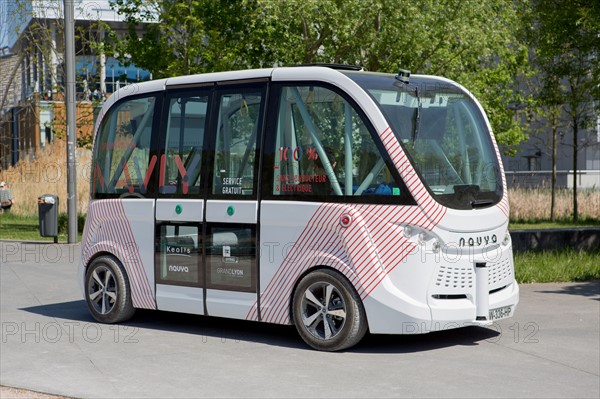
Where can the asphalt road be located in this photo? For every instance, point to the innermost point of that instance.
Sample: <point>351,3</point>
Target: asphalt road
<point>50,343</point>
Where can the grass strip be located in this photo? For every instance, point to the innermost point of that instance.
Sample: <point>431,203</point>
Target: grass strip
<point>559,224</point>
<point>26,228</point>
<point>566,265</point>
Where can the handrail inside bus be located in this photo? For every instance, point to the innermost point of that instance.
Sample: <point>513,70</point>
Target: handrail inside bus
<point>370,176</point>
<point>312,130</point>
<point>478,138</point>
<point>440,152</point>
<point>348,148</point>
<point>125,158</point>
<point>249,146</point>
<point>460,128</point>
<point>183,104</point>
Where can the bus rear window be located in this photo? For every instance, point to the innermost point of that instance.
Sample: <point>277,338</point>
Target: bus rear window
<point>122,163</point>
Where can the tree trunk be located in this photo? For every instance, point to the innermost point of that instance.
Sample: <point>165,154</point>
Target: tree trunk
<point>575,148</point>
<point>553,178</point>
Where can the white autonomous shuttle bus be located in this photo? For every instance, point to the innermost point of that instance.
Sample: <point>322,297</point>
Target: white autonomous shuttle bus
<point>330,198</point>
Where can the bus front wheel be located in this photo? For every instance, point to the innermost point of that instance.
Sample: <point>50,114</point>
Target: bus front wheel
<point>328,312</point>
<point>107,291</point>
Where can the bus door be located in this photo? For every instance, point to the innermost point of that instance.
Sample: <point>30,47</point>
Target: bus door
<point>232,206</point>
<point>180,204</point>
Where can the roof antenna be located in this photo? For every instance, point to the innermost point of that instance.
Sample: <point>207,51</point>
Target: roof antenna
<point>403,76</point>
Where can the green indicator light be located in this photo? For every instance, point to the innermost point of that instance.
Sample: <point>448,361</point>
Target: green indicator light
<point>230,210</point>
<point>395,191</point>
<point>178,209</point>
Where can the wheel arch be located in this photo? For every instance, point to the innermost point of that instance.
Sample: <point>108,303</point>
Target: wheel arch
<point>142,290</point>
<point>343,272</point>
<point>99,254</point>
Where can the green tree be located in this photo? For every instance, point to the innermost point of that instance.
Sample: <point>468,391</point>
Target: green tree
<point>565,36</point>
<point>193,36</point>
<point>470,41</point>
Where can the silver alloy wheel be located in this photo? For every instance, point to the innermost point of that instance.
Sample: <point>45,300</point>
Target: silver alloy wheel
<point>323,310</point>
<point>102,290</point>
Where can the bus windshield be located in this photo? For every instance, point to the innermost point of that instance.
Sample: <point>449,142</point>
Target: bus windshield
<point>444,134</point>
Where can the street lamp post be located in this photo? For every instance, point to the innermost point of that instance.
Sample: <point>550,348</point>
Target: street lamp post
<point>71,125</point>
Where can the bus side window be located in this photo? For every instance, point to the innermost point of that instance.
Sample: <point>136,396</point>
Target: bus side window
<point>122,161</point>
<point>235,147</point>
<point>323,148</point>
<point>184,142</point>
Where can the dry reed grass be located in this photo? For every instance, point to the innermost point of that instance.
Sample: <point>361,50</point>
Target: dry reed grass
<point>534,204</point>
<point>47,174</point>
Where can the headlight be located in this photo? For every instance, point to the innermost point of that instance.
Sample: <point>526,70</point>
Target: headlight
<point>436,246</point>
<point>506,239</point>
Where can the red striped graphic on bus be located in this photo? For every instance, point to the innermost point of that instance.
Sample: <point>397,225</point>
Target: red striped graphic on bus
<point>108,230</point>
<point>365,252</point>
<point>432,212</point>
<point>503,205</point>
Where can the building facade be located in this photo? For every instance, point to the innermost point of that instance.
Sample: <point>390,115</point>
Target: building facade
<point>531,166</point>
<point>32,110</point>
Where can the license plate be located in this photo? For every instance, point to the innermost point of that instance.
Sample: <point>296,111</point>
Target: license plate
<point>499,313</point>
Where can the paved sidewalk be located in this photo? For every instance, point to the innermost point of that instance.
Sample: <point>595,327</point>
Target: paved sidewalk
<point>49,343</point>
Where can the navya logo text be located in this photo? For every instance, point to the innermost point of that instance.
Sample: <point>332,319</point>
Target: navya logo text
<point>172,249</point>
<point>179,269</point>
<point>478,241</point>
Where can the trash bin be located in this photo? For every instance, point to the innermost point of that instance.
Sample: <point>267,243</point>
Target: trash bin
<point>48,216</point>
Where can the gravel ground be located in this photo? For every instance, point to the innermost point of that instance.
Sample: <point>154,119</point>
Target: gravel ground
<point>15,393</point>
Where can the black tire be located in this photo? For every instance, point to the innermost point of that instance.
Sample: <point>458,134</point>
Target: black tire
<point>107,291</point>
<point>338,324</point>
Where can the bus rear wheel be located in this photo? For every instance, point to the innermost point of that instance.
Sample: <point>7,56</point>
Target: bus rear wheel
<point>328,312</point>
<point>107,291</point>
